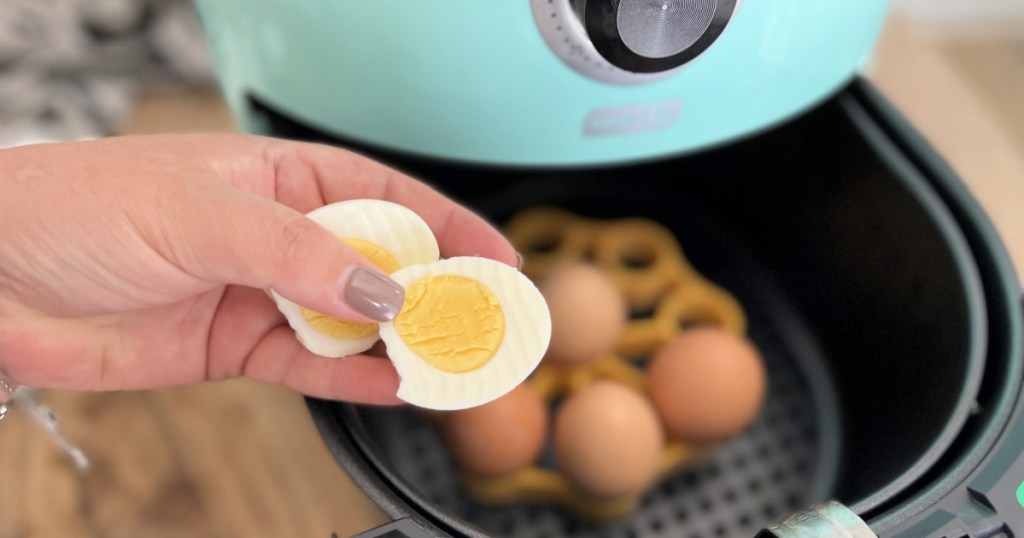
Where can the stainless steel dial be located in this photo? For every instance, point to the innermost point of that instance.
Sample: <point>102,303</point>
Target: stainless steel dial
<point>630,41</point>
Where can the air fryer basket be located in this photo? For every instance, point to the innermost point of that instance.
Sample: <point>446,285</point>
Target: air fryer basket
<point>788,458</point>
<point>862,293</point>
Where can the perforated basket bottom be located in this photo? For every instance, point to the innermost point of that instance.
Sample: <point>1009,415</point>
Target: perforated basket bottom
<point>785,461</point>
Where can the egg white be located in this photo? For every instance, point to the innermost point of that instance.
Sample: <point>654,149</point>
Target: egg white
<point>395,228</point>
<point>526,338</point>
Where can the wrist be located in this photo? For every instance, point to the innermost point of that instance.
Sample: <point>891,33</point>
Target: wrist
<point>7,383</point>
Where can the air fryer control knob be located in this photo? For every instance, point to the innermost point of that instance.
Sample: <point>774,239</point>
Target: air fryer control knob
<point>631,41</point>
<point>649,36</point>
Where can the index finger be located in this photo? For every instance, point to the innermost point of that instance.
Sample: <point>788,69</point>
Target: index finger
<point>344,175</point>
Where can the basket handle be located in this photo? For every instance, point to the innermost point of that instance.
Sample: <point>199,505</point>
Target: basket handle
<point>828,520</point>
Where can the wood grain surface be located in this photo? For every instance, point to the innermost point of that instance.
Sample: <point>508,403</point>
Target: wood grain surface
<point>240,459</point>
<point>231,459</point>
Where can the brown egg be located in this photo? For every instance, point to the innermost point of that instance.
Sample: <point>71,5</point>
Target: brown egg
<point>588,313</point>
<point>499,437</point>
<point>608,440</point>
<point>706,384</point>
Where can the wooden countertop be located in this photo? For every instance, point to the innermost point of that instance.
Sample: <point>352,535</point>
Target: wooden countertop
<point>243,459</point>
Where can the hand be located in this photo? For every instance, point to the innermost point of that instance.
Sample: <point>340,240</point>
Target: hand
<point>132,263</point>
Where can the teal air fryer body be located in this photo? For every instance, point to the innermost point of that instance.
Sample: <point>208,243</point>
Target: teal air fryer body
<point>523,82</point>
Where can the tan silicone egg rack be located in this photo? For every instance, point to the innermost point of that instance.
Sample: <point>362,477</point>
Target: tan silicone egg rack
<point>664,293</point>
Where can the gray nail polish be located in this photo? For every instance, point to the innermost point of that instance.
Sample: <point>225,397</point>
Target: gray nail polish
<point>372,294</point>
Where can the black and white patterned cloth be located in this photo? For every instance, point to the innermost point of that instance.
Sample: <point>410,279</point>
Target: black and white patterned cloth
<point>69,69</point>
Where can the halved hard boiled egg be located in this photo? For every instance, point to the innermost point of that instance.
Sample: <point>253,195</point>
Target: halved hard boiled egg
<point>471,330</point>
<point>391,236</point>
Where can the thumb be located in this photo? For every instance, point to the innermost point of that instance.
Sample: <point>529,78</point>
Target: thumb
<point>253,241</point>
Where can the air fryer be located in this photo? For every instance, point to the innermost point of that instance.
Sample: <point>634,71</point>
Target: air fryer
<point>881,298</point>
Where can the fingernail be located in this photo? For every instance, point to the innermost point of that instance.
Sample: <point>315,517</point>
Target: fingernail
<point>372,294</point>
<point>519,261</point>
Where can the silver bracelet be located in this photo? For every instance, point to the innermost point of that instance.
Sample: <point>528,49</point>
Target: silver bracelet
<point>28,402</point>
<point>6,394</point>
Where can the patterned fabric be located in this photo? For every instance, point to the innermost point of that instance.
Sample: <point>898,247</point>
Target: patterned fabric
<point>70,68</point>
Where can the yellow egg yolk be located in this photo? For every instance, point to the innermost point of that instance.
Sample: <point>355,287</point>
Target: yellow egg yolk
<point>350,330</point>
<point>452,322</point>
<point>373,252</point>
